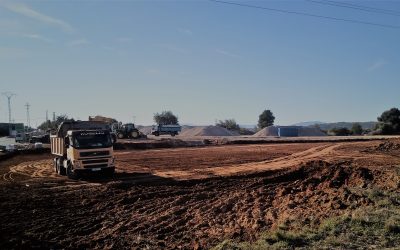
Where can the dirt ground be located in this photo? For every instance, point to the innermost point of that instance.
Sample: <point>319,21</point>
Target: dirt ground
<point>189,198</point>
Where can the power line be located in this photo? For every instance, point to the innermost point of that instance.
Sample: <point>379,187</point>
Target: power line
<point>356,7</point>
<point>366,7</point>
<point>307,14</point>
<point>28,119</point>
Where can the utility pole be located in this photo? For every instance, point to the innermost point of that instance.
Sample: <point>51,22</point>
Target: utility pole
<point>47,120</point>
<point>54,116</point>
<point>9,95</point>
<point>28,119</point>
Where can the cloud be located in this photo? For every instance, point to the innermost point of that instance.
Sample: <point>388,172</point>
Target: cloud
<point>174,48</point>
<point>26,11</point>
<point>32,36</point>
<point>226,53</point>
<point>78,42</point>
<point>186,31</point>
<point>36,37</point>
<point>377,65</point>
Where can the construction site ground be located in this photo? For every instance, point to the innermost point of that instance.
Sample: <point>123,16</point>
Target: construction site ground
<point>192,198</point>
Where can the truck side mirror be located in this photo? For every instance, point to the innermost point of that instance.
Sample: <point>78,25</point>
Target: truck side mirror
<point>66,141</point>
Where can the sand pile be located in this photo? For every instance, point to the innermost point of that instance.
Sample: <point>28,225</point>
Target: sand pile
<point>207,131</point>
<point>302,131</point>
<point>268,131</point>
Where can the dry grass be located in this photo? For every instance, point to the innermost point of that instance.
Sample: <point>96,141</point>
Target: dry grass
<point>375,226</point>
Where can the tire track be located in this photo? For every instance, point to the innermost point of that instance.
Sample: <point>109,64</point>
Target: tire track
<point>8,177</point>
<point>278,163</point>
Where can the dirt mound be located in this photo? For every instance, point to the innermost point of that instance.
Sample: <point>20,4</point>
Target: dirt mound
<point>387,146</point>
<point>327,175</point>
<point>301,131</point>
<point>207,131</point>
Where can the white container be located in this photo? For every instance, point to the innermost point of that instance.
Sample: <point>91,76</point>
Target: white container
<point>38,145</point>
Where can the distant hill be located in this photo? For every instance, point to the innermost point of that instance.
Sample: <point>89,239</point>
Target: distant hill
<point>248,126</point>
<point>306,124</point>
<point>329,126</point>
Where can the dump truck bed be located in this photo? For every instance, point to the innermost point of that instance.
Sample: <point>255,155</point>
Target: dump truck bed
<point>57,145</point>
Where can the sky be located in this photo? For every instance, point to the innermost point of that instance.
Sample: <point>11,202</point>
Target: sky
<point>202,60</point>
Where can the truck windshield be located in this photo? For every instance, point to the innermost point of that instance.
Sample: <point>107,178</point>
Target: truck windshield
<point>91,140</point>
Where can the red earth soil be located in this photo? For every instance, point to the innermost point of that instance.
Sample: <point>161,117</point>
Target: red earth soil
<point>188,198</point>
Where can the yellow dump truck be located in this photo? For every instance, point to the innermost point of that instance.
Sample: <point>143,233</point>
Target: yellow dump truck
<point>82,146</point>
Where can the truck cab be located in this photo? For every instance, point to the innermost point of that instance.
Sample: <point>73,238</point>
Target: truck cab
<point>83,149</point>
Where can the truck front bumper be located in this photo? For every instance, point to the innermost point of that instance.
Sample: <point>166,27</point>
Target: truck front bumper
<point>93,164</point>
<point>94,170</point>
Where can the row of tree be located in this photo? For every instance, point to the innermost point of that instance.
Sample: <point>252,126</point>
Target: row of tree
<point>50,125</point>
<point>356,129</point>
<point>265,119</point>
<point>388,123</point>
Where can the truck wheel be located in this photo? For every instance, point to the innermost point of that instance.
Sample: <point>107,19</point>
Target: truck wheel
<point>120,136</point>
<point>157,134</point>
<point>173,134</point>
<point>60,167</point>
<point>135,134</point>
<point>113,138</point>
<point>63,171</point>
<point>70,174</point>
<point>55,164</point>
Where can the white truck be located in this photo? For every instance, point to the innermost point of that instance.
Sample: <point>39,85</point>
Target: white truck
<point>82,146</point>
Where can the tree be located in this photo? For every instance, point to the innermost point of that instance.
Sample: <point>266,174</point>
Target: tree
<point>54,124</point>
<point>340,131</point>
<point>229,124</point>
<point>356,129</point>
<point>165,118</point>
<point>389,122</point>
<point>245,131</point>
<point>266,119</point>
